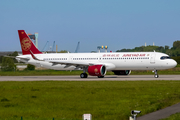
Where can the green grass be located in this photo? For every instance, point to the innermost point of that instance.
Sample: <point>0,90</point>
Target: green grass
<point>69,100</point>
<point>173,117</point>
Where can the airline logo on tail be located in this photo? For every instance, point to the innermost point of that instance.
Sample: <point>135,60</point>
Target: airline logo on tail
<point>26,44</point>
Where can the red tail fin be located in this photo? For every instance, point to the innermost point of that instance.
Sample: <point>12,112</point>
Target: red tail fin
<point>27,44</point>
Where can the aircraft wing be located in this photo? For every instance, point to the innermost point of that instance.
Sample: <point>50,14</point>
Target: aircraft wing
<point>74,63</point>
<point>9,56</point>
<point>23,58</point>
<point>109,66</point>
<point>70,63</point>
<point>77,64</point>
<point>18,57</point>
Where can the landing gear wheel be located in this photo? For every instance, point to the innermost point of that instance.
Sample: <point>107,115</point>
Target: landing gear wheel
<point>156,76</point>
<point>100,76</point>
<point>83,75</point>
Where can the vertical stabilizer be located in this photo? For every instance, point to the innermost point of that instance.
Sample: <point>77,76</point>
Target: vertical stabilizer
<point>27,44</point>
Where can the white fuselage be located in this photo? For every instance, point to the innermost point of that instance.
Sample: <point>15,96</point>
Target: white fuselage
<point>112,60</point>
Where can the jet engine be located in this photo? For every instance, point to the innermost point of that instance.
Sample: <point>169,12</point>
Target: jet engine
<point>121,72</point>
<point>97,70</point>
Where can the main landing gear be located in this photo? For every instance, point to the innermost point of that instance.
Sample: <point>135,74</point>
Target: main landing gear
<point>83,75</point>
<point>156,74</point>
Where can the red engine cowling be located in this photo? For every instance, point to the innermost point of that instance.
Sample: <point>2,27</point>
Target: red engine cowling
<point>97,70</point>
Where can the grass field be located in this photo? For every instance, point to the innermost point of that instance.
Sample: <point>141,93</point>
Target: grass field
<point>68,100</point>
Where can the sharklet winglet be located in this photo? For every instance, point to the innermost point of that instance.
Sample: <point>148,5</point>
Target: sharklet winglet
<point>33,56</point>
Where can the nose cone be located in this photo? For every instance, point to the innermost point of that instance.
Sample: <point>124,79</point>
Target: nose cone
<point>173,63</point>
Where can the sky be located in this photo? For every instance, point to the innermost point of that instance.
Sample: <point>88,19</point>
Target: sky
<point>118,24</point>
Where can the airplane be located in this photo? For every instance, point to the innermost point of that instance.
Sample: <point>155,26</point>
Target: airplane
<point>95,64</point>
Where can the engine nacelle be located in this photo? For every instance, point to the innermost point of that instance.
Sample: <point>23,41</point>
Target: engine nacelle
<point>121,72</point>
<point>97,70</point>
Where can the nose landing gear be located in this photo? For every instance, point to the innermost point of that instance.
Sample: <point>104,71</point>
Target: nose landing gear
<point>156,74</point>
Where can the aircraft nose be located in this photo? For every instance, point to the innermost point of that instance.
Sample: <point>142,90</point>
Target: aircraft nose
<point>173,63</point>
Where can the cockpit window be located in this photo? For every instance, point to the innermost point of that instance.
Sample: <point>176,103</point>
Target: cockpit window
<point>165,57</point>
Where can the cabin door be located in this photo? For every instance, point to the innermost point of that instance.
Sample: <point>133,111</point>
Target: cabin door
<point>152,58</point>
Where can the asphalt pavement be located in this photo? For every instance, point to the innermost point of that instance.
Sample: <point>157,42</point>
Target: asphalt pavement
<point>90,78</point>
<point>160,114</point>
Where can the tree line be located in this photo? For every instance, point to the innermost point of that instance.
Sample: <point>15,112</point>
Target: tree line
<point>172,52</point>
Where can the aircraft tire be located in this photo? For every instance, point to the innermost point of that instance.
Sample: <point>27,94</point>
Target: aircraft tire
<point>83,75</point>
<point>156,76</point>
